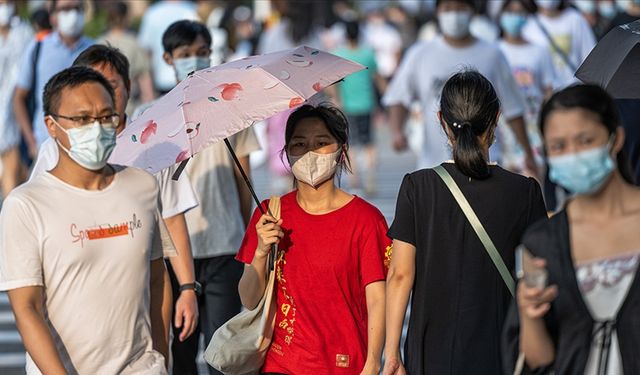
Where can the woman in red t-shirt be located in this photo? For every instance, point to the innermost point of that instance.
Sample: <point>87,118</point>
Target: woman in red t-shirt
<point>332,260</point>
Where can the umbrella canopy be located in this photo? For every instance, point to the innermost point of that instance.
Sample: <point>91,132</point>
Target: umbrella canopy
<point>614,63</point>
<point>214,103</point>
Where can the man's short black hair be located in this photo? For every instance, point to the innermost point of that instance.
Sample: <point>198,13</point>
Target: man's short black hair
<point>99,54</point>
<point>352,29</point>
<point>70,78</point>
<point>471,3</point>
<point>184,33</point>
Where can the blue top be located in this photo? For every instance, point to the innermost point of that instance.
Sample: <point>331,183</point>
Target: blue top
<point>54,57</point>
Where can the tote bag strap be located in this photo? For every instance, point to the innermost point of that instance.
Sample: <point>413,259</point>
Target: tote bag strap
<point>477,227</point>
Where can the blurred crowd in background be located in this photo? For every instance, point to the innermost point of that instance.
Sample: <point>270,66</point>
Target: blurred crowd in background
<point>378,30</point>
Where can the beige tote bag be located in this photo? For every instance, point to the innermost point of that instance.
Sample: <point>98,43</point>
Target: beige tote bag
<point>240,346</point>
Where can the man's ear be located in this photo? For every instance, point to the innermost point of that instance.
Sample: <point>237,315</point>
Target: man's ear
<point>167,58</point>
<point>52,129</point>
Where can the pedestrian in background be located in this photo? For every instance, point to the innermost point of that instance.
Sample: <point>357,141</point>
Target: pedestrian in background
<point>459,299</point>
<point>41,60</point>
<point>119,36</point>
<point>585,321</point>
<point>155,21</point>
<point>14,35</point>
<point>332,322</point>
<point>534,73</point>
<point>357,97</point>
<point>427,66</point>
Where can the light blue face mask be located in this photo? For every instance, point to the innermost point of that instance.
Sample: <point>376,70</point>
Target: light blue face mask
<point>584,172</point>
<point>512,23</point>
<point>91,144</point>
<point>186,65</point>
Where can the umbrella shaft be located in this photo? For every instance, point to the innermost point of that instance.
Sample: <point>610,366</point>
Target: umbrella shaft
<point>244,175</point>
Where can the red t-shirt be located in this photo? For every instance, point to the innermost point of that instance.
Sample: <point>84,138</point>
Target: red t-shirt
<point>321,322</point>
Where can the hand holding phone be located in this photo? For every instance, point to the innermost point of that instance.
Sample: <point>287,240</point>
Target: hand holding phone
<point>529,269</point>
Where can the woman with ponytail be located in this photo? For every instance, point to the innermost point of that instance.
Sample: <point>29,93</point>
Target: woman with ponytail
<point>459,297</point>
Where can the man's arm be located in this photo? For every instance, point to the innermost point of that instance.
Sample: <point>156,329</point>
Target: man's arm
<point>28,307</point>
<point>244,194</point>
<point>160,308</point>
<point>397,118</point>
<point>24,121</point>
<point>186,308</point>
<point>520,131</point>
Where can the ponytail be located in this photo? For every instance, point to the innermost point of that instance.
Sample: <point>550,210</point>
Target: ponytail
<point>467,154</point>
<point>469,107</point>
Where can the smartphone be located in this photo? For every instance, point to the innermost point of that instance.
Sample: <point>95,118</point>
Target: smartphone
<point>532,275</point>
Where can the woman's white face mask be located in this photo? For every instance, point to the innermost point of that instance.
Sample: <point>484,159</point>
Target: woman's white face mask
<point>314,168</point>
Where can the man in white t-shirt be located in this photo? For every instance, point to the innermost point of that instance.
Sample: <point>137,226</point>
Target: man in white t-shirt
<point>177,197</point>
<point>81,246</point>
<point>428,65</point>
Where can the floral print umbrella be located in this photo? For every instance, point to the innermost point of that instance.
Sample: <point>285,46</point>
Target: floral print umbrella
<point>214,103</point>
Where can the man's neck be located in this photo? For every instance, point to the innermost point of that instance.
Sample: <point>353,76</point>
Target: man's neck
<point>551,13</point>
<point>69,41</point>
<point>460,42</point>
<point>518,40</point>
<point>73,174</point>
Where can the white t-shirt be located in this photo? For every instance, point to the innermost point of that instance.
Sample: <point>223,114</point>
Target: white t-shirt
<point>91,252</point>
<point>422,75</point>
<point>216,226</point>
<point>571,33</point>
<point>533,71</point>
<point>176,196</point>
<point>387,42</point>
<point>154,23</point>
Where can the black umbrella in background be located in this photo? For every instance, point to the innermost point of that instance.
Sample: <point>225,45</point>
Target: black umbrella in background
<point>615,65</point>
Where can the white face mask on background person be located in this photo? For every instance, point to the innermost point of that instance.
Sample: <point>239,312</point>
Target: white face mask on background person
<point>313,168</point>
<point>70,22</point>
<point>6,13</point>
<point>186,65</point>
<point>91,144</point>
<point>455,24</point>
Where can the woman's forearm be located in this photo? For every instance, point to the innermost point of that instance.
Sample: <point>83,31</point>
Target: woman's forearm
<point>253,282</point>
<point>535,342</point>
<point>398,290</point>
<point>375,293</point>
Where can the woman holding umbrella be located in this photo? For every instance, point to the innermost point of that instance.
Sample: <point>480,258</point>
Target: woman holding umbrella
<point>331,261</point>
<point>586,320</point>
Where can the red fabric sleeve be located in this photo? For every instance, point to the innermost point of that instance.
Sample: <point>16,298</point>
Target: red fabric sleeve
<point>375,252</point>
<point>250,241</point>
